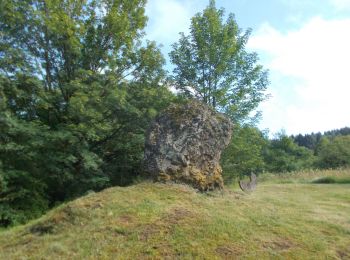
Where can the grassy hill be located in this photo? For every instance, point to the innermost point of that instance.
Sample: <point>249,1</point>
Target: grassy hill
<point>286,217</point>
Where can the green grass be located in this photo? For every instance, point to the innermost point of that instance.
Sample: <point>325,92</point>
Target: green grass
<point>330,179</point>
<point>298,220</point>
<point>310,176</point>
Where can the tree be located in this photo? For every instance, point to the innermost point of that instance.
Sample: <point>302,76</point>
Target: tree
<point>283,155</point>
<point>78,88</point>
<point>309,141</point>
<point>244,154</point>
<point>334,152</point>
<point>212,64</point>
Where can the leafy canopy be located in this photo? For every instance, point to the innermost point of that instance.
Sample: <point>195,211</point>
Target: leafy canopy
<point>244,154</point>
<point>78,87</point>
<point>213,65</point>
<point>283,155</point>
<point>334,152</point>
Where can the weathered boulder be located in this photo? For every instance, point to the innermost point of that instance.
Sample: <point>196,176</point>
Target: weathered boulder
<point>184,144</point>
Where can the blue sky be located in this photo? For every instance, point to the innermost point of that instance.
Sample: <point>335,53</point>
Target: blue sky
<point>303,43</point>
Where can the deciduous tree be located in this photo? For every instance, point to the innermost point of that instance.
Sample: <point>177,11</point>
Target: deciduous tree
<point>213,65</point>
<point>78,88</point>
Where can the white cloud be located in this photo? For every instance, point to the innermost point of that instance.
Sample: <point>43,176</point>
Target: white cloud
<point>310,75</point>
<point>167,18</point>
<point>341,4</point>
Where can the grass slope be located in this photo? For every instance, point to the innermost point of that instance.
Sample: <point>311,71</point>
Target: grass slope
<point>155,221</point>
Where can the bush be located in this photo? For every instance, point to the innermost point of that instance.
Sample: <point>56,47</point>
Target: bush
<point>284,155</point>
<point>244,154</point>
<point>334,152</point>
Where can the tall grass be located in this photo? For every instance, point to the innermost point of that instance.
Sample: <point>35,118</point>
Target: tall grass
<point>332,180</point>
<point>159,221</point>
<point>307,176</point>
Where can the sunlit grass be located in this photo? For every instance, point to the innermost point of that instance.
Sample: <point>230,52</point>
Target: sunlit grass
<point>307,176</point>
<point>297,220</point>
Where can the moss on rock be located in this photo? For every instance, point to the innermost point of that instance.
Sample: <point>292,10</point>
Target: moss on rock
<point>184,144</point>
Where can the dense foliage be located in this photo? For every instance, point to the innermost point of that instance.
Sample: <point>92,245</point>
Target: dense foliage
<point>79,86</point>
<point>334,152</point>
<point>283,155</point>
<point>244,154</point>
<point>212,64</point>
<point>312,140</point>
<point>78,89</point>
<point>251,150</point>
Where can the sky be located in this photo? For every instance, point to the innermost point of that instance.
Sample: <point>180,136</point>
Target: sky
<point>305,45</point>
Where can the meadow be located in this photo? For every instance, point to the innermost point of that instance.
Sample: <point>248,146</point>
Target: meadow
<point>288,216</point>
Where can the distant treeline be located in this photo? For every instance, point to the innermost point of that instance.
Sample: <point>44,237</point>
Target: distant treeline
<point>252,151</point>
<point>312,140</point>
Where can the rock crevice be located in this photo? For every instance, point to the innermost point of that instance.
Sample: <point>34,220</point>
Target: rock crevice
<point>184,144</point>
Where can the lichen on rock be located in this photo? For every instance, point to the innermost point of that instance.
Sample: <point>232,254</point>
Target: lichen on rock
<point>184,144</point>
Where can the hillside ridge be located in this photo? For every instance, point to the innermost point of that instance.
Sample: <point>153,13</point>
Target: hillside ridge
<point>156,221</point>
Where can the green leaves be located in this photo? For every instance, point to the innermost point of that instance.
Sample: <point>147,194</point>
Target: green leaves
<point>211,64</point>
<point>334,152</point>
<point>284,155</point>
<point>78,88</point>
<point>244,155</point>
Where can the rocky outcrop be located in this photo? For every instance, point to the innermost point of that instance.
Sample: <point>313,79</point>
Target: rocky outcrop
<point>184,144</point>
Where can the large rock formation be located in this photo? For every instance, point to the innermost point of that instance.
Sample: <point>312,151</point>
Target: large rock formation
<point>184,144</point>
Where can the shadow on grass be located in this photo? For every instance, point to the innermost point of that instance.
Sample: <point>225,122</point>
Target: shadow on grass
<point>332,180</point>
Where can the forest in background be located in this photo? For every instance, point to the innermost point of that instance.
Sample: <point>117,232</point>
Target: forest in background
<point>80,84</point>
<point>252,151</point>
